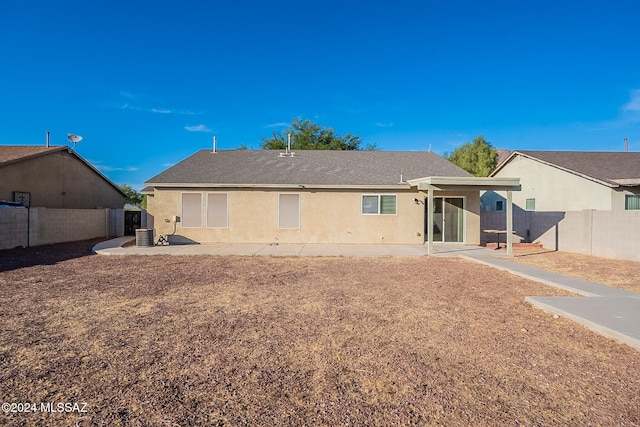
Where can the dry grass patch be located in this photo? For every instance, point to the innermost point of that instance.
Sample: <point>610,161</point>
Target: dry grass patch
<point>301,341</point>
<point>619,273</point>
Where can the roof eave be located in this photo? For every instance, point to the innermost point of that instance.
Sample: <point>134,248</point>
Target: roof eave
<point>33,156</point>
<point>466,183</point>
<point>399,186</point>
<point>147,191</point>
<point>501,165</point>
<point>627,182</point>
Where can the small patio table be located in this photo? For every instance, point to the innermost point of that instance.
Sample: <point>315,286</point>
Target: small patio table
<point>497,233</point>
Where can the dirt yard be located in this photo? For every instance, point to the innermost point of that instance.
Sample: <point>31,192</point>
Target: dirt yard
<point>167,341</point>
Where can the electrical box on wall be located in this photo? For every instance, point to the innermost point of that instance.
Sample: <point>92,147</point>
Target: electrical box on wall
<point>175,218</point>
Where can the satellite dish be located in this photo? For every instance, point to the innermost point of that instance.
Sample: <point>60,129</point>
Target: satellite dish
<point>74,139</point>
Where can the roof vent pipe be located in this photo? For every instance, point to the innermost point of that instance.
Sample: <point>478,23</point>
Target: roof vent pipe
<point>48,133</point>
<point>214,144</point>
<point>288,142</point>
<point>626,145</point>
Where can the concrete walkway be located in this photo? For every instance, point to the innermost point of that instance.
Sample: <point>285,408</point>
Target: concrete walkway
<point>609,311</point>
<point>612,312</point>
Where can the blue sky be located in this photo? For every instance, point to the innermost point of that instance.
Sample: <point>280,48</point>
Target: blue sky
<point>148,83</point>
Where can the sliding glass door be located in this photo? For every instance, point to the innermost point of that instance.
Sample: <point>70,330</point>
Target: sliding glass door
<point>448,219</point>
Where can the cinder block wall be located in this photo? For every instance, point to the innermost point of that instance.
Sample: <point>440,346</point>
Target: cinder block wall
<point>13,228</point>
<point>616,234</point>
<point>67,225</point>
<point>41,226</point>
<point>115,222</point>
<point>608,234</point>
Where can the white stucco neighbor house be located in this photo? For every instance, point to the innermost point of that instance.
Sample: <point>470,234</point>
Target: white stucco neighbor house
<point>562,181</point>
<point>584,202</point>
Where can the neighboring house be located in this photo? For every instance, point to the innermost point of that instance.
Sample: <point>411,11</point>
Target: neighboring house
<point>54,177</point>
<point>310,196</point>
<point>562,181</point>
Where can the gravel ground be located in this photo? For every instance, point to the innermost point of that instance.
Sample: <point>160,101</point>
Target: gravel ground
<point>296,341</point>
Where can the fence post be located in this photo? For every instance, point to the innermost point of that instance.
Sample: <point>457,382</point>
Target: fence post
<point>509,224</point>
<point>430,210</point>
<point>590,228</point>
<point>107,222</point>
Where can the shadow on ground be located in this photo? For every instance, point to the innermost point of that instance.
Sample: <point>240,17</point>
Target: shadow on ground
<point>546,251</point>
<point>12,259</point>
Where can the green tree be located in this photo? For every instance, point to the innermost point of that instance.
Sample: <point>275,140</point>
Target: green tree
<point>306,135</point>
<point>132,196</point>
<point>479,157</point>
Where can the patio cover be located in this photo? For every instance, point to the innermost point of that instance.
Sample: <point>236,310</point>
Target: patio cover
<point>431,184</point>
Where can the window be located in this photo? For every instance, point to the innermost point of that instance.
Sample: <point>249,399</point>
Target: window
<point>217,213</point>
<point>632,202</point>
<point>499,205</point>
<point>378,204</point>
<point>531,204</point>
<point>369,204</point>
<point>289,211</point>
<point>387,205</point>
<point>191,210</point>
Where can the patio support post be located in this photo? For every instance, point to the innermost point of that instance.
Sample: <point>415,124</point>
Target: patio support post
<point>509,224</point>
<point>430,206</point>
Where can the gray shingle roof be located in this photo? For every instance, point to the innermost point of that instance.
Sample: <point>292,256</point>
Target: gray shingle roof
<point>612,168</point>
<point>503,155</point>
<point>306,167</point>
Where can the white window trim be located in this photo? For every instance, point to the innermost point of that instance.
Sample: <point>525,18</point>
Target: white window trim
<point>206,209</point>
<point>182,209</point>
<point>627,197</point>
<point>379,201</point>
<point>299,211</point>
<point>526,208</point>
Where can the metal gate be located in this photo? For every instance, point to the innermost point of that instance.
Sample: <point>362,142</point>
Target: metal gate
<point>132,221</point>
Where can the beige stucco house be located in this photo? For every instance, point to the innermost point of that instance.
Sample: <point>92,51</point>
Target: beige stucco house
<point>310,196</point>
<point>562,181</point>
<point>54,177</point>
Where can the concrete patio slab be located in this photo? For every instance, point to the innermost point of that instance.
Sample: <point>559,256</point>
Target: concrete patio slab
<point>407,250</point>
<point>614,317</point>
<point>240,249</point>
<point>109,245</point>
<point>358,250</point>
<point>321,250</point>
<point>113,247</point>
<point>198,249</point>
<point>280,250</point>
